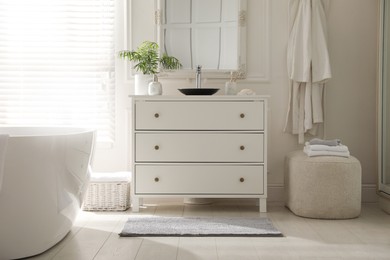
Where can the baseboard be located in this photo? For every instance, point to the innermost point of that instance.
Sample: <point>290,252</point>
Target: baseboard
<point>369,193</point>
<point>276,193</point>
<point>276,196</point>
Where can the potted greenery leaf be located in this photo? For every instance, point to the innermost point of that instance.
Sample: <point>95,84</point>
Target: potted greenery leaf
<point>148,62</point>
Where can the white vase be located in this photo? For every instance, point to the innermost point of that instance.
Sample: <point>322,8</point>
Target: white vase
<point>230,88</point>
<point>155,87</point>
<point>141,83</point>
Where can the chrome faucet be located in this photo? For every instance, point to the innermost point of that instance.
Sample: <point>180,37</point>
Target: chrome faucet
<point>198,76</point>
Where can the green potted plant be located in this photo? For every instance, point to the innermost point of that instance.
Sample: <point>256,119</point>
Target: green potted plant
<point>148,62</point>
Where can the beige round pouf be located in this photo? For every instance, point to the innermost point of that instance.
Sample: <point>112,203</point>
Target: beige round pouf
<point>327,187</point>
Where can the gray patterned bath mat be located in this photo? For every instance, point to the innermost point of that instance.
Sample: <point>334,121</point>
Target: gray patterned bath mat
<point>157,226</point>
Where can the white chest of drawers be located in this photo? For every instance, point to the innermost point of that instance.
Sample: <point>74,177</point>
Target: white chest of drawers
<point>199,147</point>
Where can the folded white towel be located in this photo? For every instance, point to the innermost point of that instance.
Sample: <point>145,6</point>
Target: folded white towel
<point>312,153</point>
<point>320,147</point>
<point>333,142</point>
<point>3,151</point>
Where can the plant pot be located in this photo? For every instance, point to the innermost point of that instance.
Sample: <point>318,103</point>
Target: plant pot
<point>141,83</point>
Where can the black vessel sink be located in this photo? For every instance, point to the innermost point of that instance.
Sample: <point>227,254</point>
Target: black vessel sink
<point>198,91</point>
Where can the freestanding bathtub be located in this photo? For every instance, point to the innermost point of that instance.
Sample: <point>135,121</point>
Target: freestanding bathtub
<point>43,177</point>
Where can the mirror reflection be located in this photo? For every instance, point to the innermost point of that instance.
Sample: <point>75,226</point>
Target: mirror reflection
<point>202,32</point>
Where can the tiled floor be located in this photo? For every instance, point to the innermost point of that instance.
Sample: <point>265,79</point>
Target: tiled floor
<point>95,236</point>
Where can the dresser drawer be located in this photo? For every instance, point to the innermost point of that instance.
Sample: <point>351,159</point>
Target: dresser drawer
<point>199,115</point>
<point>199,179</point>
<point>199,147</point>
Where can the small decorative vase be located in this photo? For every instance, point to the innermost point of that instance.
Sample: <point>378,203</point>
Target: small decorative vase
<point>230,88</point>
<point>141,83</point>
<point>155,87</point>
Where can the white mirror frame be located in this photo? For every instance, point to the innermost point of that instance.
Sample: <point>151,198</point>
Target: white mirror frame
<point>208,73</point>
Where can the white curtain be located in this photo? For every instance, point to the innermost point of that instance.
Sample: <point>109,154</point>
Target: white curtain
<point>57,64</point>
<point>308,65</point>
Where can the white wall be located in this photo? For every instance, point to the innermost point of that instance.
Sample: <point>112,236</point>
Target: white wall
<point>350,95</point>
<point>353,40</point>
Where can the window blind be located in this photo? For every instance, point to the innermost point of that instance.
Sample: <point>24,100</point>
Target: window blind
<point>57,64</point>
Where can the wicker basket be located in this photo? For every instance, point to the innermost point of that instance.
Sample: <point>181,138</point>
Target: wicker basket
<point>107,196</point>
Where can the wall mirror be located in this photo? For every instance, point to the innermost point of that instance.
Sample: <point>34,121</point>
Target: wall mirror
<point>210,33</point>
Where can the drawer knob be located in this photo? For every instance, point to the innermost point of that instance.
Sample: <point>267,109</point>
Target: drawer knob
<point>157,115</point>
<point>242,148</point>
<point>242,115</point>
<point>242,179</point>
<point>156,147</point>
<point>156,179</point>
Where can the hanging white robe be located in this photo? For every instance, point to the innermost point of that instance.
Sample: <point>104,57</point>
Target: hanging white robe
<point>307,64</point>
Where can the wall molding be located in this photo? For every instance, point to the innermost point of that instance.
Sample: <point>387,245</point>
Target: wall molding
<point>261,51</point>
<point>138,12</point>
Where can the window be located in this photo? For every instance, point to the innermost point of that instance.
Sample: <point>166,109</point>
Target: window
<point>57,64</point>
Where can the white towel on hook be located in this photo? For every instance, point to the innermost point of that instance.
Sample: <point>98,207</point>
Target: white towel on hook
<point>3,151</point>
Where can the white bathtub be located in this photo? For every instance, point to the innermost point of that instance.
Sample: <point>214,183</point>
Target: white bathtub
<point>42,186</point>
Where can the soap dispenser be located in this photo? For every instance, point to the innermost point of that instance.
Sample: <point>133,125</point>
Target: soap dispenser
<point>155,87</point>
